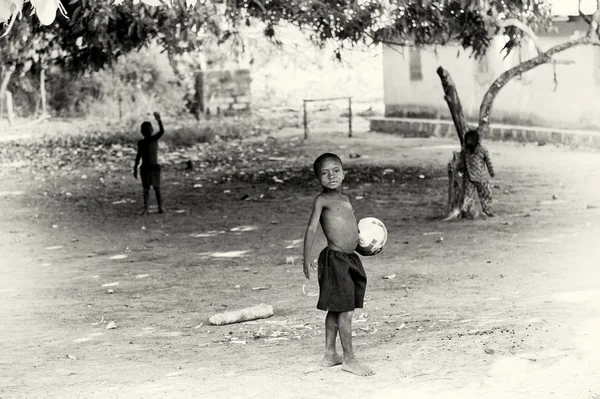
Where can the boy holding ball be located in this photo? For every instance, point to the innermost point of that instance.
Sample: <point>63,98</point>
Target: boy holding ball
<point>342,278</point>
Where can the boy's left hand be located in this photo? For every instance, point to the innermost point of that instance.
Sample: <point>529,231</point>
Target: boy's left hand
<point>307,266</point>
<point>360,251</point>
<point>157,115</point>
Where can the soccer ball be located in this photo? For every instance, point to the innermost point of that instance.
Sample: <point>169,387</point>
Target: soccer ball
<point>372,236</point>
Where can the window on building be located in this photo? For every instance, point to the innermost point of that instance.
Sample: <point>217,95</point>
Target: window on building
<point>416,69</point>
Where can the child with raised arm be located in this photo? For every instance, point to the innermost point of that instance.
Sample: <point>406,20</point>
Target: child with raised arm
<point>147,151</point>
<point>477,164</point>
<point>342,278</point>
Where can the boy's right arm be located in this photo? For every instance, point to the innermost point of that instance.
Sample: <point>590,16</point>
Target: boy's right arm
<point>161,129</point>
<point>311,231</point>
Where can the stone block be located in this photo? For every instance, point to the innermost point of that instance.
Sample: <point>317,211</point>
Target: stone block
<point>556,137</point>
<point>242,99</point>
<point>542,136</point>
<point>239,106</point>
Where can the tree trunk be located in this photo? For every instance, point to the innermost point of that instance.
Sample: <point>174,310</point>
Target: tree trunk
<point>456,168</point>
<point>454,104</point>
<point>10,114</point>
<point>4,86</point>
<point>456,190</point>
<point>43,89</point>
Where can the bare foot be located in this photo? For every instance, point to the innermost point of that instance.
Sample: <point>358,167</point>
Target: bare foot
<point>144,212</point>
<point>331,360</point>
<point>354,367</point>
<point>490,214</point>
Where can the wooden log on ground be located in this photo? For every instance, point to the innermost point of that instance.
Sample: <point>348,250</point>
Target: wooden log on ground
<point>261,311</point>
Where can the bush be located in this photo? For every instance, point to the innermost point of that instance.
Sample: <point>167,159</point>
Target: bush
<point>136,84</point>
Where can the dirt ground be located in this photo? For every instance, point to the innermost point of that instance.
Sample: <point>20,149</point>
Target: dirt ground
<point>503,308</point>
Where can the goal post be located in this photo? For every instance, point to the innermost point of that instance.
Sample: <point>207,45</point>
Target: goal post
<point>311,100</point>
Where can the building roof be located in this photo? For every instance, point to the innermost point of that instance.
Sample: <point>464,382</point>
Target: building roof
<point>570,7</point>
<point>565,26</point>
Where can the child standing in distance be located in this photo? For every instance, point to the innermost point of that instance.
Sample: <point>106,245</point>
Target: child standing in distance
<point>342,278</point>
<point>147,150</point>
<point>477,163</point>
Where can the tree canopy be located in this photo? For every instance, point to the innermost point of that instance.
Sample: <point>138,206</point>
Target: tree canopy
<point>92,34</point>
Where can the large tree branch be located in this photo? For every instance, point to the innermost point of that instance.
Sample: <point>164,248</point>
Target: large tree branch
<point>593,29</point>
<point>529,32</point>
<point>524,28</point>
<point>454,104</point>
<point>585,17</point>
<point>543,58</point>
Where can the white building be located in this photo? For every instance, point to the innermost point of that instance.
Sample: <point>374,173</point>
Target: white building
<point>413,88</point>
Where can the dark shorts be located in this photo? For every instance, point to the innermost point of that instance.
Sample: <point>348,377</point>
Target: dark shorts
<point>342,281</point>
<point>150,175</point>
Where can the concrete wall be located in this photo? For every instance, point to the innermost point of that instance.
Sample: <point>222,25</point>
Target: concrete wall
<point>225,92</point>
<point>528,100</point>
<point>441,128</point>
